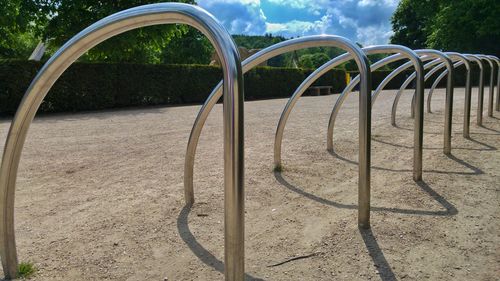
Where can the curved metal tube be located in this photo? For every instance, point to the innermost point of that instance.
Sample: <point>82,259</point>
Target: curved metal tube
<point>409,80</point>
<point>364,112</point>
<point>449,97</point>
<point>497,103</point>
<point>303,87</point>
<point>147,15</point>
<point>468,89</point>
<point>399,70</point>
<point>492,83</point>
<point>418,125</point>
<point>278,139</point>
<point>436,82</point>
<point>480,94</point>
<point>406,83</point>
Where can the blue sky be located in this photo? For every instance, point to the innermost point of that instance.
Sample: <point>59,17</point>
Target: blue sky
<point>363,21</point>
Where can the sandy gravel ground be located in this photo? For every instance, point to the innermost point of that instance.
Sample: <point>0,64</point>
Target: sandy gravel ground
<point>100,196</point>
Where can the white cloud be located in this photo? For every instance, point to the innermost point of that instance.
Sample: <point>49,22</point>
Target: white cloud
<point>205,3</point>
<point>363,21</point>
<point>313,6</point>
<point>238,16</point>
<point>371,3</point>
<point>299,28</point>
<point>374,35</point>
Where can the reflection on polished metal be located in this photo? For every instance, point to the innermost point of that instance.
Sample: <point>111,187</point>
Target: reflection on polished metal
<point>497,103</point>
<point>449,96</point>
<point>492,83</point>
<point>480,89</point>
<point>364,112</point>
<point>164,13</point>
<point>418,124</point>
<point>468,88</point>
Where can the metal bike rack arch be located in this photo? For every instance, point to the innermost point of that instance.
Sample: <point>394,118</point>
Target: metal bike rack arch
<point>492,83</point>
<point>399,70</point>
<point>480,89</point>
<point>455,57</point>
<point>497,102</point>
<point>449,95</point>
<point>147,15</point>
<point>418,122</point>
<point>462,60</point>
<point>364,112</point>
<point>403,53</point>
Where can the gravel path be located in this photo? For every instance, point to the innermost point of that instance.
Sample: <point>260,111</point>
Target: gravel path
<point>100,196</point>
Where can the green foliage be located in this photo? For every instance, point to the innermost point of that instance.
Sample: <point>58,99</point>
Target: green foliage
<point>189,48</point>
<point>313,60</point>
<point>24,23</point>
<point>26,270</point>
<point>458,25</point>
<point>272,82</point>
<point>257,42</point>
<point>94,86</point>
<point>68,17</point>
<point>18,24</point>
<point>305,58</point>
<point>459,78</point>
<point>466,26</point>
<point>410,22</point>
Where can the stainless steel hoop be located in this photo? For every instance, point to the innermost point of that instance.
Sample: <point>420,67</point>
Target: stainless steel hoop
<point>449,96</point>
<point>300,91</point>
<point>492,83</point>
<point>436,82</point>
<point>418,124</point>
<point>278,138</point>
<point>364,112</point>
<point>480,89</point>
<point>434,66</point>
<point>468,89</point>
<point>497,102</point>
<point>147,15</point>
<point>399,70</point>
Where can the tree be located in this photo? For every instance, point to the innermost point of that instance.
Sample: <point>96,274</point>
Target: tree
<point>313,60</point>
<point>18,27</point>
<point>471,26</point>
<point>143,45</point>
<point>454,25</point>
<point>410,22</point>
<point>189,48</point>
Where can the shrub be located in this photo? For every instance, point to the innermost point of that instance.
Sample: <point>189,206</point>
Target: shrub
<point>94,86</point>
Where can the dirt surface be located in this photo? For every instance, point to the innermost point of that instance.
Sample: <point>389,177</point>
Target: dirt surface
<point>100,196</point>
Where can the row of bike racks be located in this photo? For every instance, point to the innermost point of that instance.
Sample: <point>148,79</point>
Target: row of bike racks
<point>230,88</point>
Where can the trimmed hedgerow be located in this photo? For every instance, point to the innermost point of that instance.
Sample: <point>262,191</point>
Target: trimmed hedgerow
<point>94,86</point>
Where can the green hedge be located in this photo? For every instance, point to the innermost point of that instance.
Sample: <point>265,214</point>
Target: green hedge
<point>396,82</point>
<point>270,82</point>
<point>94,86</point>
